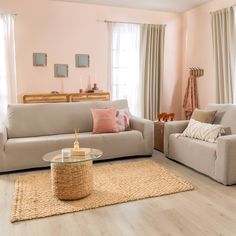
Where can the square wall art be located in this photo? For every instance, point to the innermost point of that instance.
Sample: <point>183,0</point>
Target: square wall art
<point>82,60</point>
<point>39,59</point>
<point>61,70</point>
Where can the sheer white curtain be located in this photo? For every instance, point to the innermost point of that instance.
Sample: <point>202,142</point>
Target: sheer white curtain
<point>125,65</point>
<point>7,63</point>
<point>223,36</point>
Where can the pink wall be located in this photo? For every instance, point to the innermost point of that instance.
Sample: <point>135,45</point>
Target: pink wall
<point>62,29</point>
<point>197,48</point>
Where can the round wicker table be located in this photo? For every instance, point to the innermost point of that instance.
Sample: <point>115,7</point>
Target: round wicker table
<point>72,177</point>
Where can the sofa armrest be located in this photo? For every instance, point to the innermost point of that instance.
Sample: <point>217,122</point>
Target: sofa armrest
<point>146,127</point>
<point>225,165</point>
<point>173,127</point>
<point>3,136</point>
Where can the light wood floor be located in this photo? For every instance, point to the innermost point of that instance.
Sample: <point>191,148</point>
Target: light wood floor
<point>208,210</point>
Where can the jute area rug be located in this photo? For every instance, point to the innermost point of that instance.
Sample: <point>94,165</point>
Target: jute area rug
<point>113,183</point>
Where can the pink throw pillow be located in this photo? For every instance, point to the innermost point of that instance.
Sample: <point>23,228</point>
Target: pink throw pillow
<point>104,120</point>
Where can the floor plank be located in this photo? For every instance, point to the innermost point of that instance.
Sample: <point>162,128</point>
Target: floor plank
<point>208,210</point>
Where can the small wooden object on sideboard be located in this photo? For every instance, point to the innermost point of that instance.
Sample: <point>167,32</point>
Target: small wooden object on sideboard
<point>65,97</point>
<point>159,127</point>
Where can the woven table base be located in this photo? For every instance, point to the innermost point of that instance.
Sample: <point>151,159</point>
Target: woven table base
<point>113,183</point>
<point>72,181</point>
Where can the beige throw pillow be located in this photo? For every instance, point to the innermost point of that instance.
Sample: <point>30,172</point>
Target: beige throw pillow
<point>203,131</point>
<point>204,116</point>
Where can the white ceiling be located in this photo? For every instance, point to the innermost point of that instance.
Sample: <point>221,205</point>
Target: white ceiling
<point>157,5</point>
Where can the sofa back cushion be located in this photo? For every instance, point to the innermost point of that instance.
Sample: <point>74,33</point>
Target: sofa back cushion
<point>29,120</point>
<point>226,116</point>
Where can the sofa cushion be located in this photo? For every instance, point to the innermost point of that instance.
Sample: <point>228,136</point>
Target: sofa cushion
<point>130,143</point>
<point>199,155</point>
<point>226,115</point>
<point>123,121</point>
<point>30,150</point>
<point>203,131</point>
<point>104,120</point>
<point>204,116</point>
<point>29,120</point>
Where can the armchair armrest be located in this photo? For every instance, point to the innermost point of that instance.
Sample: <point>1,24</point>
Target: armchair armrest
<point>146,127</point>
<point>225,165</point>
<point>3,136</point>
<point>173,127</point>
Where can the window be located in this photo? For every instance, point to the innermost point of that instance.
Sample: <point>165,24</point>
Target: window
<point>126,79</point>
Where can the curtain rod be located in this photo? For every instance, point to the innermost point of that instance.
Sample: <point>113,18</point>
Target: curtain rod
<point>125,22</point>
<point>211,12</point>
<point>13,14</point>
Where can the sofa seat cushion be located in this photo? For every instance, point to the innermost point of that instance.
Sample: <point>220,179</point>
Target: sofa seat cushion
<point>31,149</point>
<point>129,143</point>
<point>199,155</point>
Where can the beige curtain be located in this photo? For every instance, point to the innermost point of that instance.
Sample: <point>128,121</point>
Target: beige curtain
<point>223,28</point>
<point>152,63</point>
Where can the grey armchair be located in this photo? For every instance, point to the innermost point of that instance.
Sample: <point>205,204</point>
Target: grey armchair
<point>217,160</point>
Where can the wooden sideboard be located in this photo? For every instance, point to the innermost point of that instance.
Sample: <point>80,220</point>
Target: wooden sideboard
<point>65,97</point>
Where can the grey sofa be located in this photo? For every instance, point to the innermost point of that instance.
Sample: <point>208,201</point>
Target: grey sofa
<point>32,130</point>
<point>217,160</point>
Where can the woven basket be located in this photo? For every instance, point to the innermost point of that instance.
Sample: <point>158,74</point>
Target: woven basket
<point>71,181</point>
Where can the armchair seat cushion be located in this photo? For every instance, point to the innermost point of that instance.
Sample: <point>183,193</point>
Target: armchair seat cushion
<point>194,153</point>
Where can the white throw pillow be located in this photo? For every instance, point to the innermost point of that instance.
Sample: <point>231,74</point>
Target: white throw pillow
<point>123,123</point>
<point>203,131</point>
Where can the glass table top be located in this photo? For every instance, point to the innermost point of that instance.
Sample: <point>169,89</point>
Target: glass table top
<point>57,157</point>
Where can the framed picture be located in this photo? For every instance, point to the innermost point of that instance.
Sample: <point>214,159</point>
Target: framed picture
<point>82,60</point>
<point>61,70</point>
<point>39,59</point>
